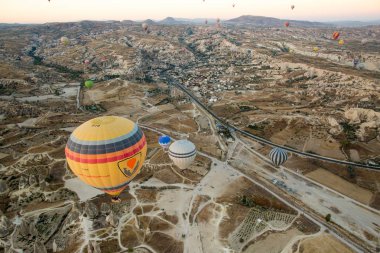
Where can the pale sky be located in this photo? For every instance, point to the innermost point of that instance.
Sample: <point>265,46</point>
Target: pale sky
<point>41,11</point>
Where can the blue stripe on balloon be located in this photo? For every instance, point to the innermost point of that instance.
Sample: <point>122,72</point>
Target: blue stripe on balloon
<point>105,148</point>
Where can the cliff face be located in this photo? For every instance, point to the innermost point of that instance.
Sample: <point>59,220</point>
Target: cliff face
<point>368,122</point>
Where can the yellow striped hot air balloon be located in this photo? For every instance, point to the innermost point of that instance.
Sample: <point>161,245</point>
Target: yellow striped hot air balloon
<point>107,153</point>
<point>341,42</point>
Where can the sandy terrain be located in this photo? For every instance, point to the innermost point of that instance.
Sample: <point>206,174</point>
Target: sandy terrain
<point>322,244</point>
<point>337,183</point>
<point>265,243</point>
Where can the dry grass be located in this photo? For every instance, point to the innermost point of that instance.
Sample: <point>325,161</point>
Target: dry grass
<point>337,183</point>
<point>322,244</point>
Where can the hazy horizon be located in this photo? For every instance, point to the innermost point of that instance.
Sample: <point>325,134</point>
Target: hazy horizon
<point>41,11</point>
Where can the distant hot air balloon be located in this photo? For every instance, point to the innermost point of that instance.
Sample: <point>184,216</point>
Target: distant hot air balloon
<point>206,21</point>
<point>341,42</point>
<point>65,41</point>
<point>316,49</point>
<point>182,153</point>
<point>292,7</point>
<point>335,35</point>
<point>164,141</point>
<point>107,153</point>
<point>89,84</point>
<point>218,23</point>
<point>145,26</point>
<point>287,24</point>
<point>278,156</point>
<point>233,5</point>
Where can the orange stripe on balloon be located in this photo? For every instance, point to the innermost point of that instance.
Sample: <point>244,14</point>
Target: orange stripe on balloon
<point>115,190</point>
<point>88,176</point>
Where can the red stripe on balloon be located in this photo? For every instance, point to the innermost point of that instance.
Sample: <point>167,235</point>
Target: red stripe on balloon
<point>108,159</point>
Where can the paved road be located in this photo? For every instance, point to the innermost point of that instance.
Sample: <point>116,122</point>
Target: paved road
<point>312,216</point>
<point>175,83</point>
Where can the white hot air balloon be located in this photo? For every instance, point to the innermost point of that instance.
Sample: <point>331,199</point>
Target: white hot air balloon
<point>278,156</point>
<point>182,153</point>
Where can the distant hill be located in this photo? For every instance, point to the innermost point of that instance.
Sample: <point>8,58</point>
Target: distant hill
<point>11,25</point>
<point>355,23</point>
<point>171,21</point>
<point>272,22</point>
<point>196,20</point>
<point>149,22</point>
<point>127,21</point>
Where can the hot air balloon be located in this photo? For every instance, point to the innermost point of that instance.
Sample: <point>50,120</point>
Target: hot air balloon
<point>218,23</point>
<point>292,7</point>
<point>278,156</point>
<point>107,153</point>
<point>182,153</point>
<point>164,141</point>
<point>89,84</point>
<point>335,35</point>
<point>206,21</point>
<point>233,5</point>
<point>316,49</point>
<point>287,24</point>
<point>145,26</point>
<point>65,41</point>
<point>356,62</point>
<point>341,42</point>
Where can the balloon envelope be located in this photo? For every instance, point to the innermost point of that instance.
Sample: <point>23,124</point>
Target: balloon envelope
<point>341,42</point>
<point>336,35</point>
<point>182,153</point>
<point>89,83</point>
<point>145,26</point>
<point>106,153</point>
<point>65,41</point>
<point>278,156</point>
<point>164,141</point>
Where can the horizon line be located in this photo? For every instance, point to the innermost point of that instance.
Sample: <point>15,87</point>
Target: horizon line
<point>176,18</point>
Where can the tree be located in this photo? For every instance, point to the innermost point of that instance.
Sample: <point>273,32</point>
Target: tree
<point>351,171</point>
<point>328,217</point>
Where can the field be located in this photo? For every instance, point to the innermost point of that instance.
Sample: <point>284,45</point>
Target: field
<point>322,244</point>
<point>340,185</point>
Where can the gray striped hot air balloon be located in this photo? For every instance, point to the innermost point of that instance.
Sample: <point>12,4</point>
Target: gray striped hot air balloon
<point>182,153</point>
<point>278,156</point>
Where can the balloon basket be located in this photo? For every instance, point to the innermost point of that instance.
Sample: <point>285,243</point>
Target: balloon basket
<point>115,200</point>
